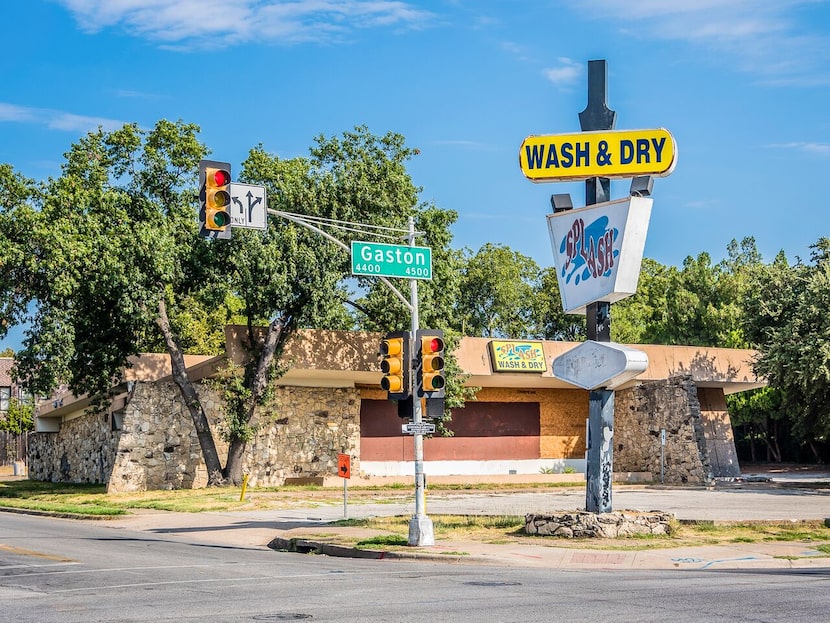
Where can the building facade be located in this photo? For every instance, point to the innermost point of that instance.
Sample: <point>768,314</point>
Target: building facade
<point>525,423</point>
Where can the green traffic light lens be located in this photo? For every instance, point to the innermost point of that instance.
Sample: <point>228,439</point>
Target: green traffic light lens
<point>220,219</point>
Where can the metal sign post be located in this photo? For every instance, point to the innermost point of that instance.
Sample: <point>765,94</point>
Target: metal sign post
<point>597,268</point>
<point>600,468</point>
<point>344,468</point>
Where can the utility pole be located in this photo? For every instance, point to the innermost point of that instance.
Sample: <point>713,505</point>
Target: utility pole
<point>421,532</point>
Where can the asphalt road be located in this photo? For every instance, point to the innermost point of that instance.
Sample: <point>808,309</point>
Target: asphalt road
<point>57,570</point>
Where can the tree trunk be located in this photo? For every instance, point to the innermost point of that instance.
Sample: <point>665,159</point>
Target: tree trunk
<point>191,399</point>
<point>277,333</point>
<point>771,439</point>
<point>233,466</point>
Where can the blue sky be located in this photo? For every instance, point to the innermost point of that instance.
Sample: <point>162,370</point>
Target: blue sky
<point>743,85</point>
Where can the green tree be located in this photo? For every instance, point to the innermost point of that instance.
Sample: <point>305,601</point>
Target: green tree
<point>787,319</point>
<point>759,417</point>
<point>639,318</point>
<point>123,268</point>
<point>548,320</point>
<point>19,248</point>
<point>20,417</point>
<point>499,286</point>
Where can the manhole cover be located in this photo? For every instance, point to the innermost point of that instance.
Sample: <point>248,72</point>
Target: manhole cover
<point>283,616</point>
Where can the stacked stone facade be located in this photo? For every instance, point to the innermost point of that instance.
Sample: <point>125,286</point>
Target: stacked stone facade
<point>642,412</point>
<point>152,444</point>
<point>84,451</point>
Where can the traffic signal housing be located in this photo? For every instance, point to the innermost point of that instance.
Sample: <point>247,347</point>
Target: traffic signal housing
<point>429,363</point>
<point>214,199</point>
<point>396,364</point>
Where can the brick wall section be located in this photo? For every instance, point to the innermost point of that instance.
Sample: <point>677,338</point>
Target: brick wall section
<point>641,412</point>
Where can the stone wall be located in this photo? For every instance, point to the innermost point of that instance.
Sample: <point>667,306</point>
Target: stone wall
<point>300,432</point>
<point>580,524</point>
<point>642,412</point>
<point>84,451</point>
<point>157,447</point>
<point>151,443</point>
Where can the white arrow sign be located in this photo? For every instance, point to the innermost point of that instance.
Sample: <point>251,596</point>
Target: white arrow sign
<point>248,206</point>
<point>592,365</point>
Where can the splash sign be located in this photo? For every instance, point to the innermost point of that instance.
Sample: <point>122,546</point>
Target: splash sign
<point>598,250</point>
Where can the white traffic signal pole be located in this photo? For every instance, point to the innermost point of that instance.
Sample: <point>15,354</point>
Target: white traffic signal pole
<point>421,531</point>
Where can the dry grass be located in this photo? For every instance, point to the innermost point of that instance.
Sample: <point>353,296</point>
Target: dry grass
<point>510,529</point>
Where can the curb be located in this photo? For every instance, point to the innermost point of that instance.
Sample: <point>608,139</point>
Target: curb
<point>319,548</point>
<point>58,514</point>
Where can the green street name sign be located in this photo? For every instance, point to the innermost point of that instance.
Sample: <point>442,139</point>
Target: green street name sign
<point>391,260</point>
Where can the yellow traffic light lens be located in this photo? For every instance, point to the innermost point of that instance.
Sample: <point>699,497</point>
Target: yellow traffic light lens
<point>219,199</point>
<point>391,348</point>
<point>391,366</point>
<point>433,363</point>
<point>391,383</point>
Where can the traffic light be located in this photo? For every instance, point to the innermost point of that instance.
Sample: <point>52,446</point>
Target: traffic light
<point>395,365</point>
<point>215,199</point>
<point>429,363</point>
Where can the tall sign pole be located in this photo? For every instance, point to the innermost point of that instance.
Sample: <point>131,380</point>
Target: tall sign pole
<point>598,251</point>
<point>600,459</point>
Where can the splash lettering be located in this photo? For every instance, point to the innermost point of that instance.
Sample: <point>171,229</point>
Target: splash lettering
<point>589,251</point>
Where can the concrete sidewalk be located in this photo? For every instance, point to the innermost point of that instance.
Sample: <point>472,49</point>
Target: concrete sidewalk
<point>309,529</point>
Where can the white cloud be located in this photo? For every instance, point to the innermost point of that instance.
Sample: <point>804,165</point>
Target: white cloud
<point>781,41</point>
<point>10,112</point>
<point>56,119</point>
<point>567,72</point>
<point>187,23</point>
<point>820,149</point>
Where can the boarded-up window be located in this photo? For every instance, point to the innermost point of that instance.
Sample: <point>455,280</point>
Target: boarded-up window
<point>483,431</point>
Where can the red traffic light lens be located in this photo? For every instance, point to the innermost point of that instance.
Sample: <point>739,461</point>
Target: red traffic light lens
<point>221,177</point>
<point>430,345</point>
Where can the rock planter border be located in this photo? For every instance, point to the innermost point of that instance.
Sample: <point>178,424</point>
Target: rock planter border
<point>579,524</point>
